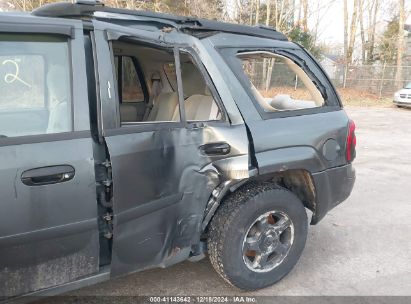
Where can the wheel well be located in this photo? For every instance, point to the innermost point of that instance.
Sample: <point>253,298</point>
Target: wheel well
<point>298,181</point>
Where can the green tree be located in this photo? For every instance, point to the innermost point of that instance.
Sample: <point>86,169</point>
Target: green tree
<point>306,39</point>
<point>387,48</point>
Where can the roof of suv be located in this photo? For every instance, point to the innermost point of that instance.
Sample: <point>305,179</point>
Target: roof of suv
<point>87,9</point>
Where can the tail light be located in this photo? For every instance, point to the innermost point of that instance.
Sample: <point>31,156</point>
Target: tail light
<point>351,142</point>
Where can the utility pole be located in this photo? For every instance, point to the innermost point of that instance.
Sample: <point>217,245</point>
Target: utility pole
<point>257,12</point>
<point>400,45</point>
<point>345,42</point>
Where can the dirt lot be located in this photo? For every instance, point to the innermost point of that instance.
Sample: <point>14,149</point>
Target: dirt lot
<point>363,247</point>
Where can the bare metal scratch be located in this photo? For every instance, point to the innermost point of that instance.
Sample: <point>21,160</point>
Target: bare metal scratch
<point>15,185</point>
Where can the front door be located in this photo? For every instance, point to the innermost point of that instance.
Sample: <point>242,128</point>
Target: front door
<point>48,222</point>
<point>164,167</point>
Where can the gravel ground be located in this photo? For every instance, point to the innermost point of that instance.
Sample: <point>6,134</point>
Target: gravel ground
<point>362,247</point>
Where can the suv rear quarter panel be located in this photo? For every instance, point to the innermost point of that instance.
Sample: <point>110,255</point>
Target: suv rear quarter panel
<point>300,142</point>
<point>286,139</point>
<point>312,140</point>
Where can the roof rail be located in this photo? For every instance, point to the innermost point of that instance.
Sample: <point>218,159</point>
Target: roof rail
<point>87,8</point>
<point>89,2</point>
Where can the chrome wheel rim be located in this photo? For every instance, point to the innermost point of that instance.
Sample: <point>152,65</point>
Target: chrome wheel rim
<point>268,241</point>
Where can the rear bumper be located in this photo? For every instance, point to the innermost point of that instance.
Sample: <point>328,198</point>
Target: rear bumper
<point>332,186</point>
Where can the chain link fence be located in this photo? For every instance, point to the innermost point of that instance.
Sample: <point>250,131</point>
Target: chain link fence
<point>374,81</point>
<point>378,80</point>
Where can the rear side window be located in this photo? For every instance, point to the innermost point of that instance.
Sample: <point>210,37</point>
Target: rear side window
<point>35,85</point>
<point>278,83</point>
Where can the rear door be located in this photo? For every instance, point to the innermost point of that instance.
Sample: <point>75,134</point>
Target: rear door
<point>48,222</point>
<point>163,171</point>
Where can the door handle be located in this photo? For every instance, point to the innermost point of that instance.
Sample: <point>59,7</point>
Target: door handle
<point>48,175</point>
<point>196,125</point>
<point>221,148</point>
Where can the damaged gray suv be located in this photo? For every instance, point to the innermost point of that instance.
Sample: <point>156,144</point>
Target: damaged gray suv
<point>131,140</point>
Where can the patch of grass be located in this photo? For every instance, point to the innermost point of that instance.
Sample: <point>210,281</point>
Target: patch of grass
<point>355,98</point>
<point>367,102</point>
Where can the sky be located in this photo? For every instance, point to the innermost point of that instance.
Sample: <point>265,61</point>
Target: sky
<point>331,24</point>
<point>331,18</point>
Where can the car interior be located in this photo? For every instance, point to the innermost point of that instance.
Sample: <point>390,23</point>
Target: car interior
<point>278,83</point>
<point>36,88</point>
<point>149,90</point>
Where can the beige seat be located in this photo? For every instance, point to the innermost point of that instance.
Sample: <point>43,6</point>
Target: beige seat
<point>201,107</point>
<point>165,108</point>
<point>197,107</point>
<point>199,104</point>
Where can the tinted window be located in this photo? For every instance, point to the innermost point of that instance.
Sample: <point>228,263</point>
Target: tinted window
<point>35,85</point>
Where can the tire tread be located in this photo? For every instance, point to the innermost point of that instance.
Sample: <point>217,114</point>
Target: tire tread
<point>226,213</point>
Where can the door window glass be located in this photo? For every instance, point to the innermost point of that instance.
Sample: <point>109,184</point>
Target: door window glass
<point>142,77</point>
<point>22,81</point>
<point>278,83</point>
<point>35,85</point>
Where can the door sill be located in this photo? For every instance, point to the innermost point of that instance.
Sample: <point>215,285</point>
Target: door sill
<point>101,276</point>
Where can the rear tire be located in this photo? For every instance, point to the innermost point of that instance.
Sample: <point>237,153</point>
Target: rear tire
<point>240,224</point>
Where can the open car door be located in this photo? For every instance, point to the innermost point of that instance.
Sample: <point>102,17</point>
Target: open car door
<point>163,172</point>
